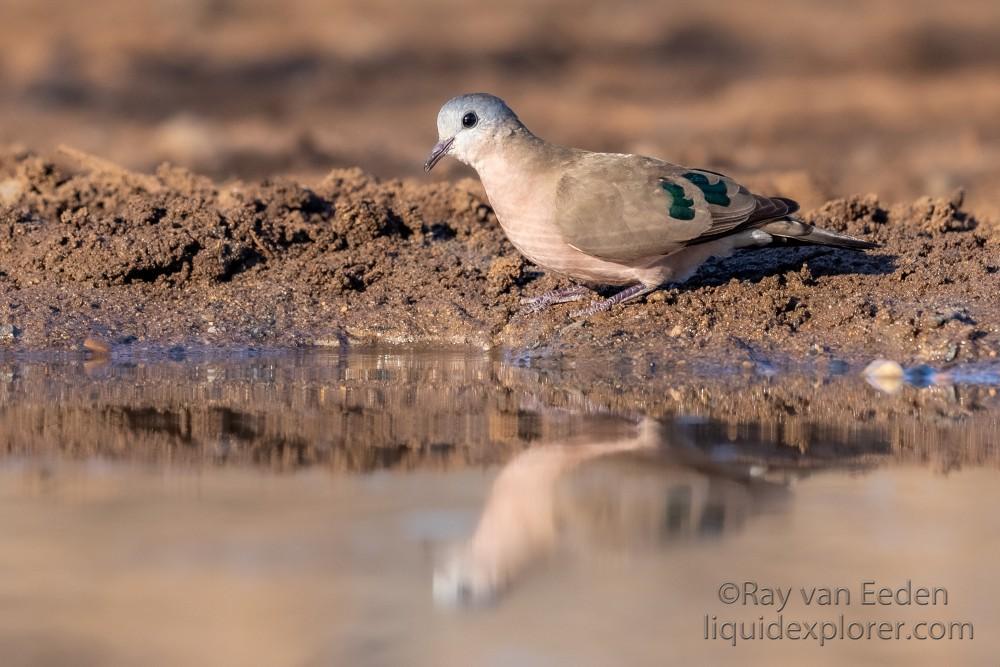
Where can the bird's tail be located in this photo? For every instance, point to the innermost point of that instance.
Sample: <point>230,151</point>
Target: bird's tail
<point>797,231</point>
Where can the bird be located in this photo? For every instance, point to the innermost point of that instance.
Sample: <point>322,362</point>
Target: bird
<point>610,219</point>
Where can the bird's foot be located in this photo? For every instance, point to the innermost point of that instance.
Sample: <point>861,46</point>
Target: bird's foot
<point>539,303</point>
<point>626,294</point>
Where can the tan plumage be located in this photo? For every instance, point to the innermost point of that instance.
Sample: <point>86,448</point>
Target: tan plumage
<point>608,218</point>
<point>615,207</point>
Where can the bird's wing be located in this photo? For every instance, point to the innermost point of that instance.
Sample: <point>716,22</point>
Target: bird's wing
<point>626,207</point>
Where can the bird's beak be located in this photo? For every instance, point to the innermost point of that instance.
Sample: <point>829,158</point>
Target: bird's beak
<point>440,150</point>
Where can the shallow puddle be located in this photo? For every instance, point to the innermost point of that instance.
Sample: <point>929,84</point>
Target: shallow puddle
<point>389,507</point>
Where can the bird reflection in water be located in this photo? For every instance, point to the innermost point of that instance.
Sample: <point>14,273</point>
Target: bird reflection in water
<point>648,490</point>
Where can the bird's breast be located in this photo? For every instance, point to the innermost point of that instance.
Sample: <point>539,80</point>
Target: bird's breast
<point>529,221</point>
<point>522,191</point>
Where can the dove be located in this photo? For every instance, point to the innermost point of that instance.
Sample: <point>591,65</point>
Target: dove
<point>610,219</point>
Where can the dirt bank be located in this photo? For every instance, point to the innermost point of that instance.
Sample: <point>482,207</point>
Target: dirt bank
<point>88,249</point>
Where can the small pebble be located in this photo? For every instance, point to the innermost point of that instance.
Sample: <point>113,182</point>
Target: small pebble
<point>885,375</point>
<point>10,191</point>
<point>8,333</point>
<point>883,368</point>
<point>327,342</point>
<point>97,347</point>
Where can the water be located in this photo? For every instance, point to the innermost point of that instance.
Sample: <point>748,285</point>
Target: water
<point>428,508</point>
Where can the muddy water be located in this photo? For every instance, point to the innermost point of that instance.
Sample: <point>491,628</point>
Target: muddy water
<point>393,507</point>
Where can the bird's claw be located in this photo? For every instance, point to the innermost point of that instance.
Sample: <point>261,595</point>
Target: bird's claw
<point>535,304</point>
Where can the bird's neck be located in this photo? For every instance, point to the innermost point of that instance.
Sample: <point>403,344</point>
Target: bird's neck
<point>518,174</point>
<point>512,150</point>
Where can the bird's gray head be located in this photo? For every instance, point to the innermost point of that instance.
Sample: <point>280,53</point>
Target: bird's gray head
<point>469,124</point>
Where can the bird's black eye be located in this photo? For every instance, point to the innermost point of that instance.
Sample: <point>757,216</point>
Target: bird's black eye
<point>470,119</point>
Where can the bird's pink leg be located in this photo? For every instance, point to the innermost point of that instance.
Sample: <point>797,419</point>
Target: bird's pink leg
<point>565,295</point>
<point>626,294</point>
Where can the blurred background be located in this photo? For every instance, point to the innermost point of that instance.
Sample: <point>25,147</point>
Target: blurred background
<point>811,99</point>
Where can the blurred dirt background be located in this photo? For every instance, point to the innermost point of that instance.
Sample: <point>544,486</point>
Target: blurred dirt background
<point>806,98</point>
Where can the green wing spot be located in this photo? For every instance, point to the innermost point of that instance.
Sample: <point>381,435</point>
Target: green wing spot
<point>681,207</point>
<point>715,193</point>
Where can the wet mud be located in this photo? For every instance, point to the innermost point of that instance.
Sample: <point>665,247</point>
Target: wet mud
<point>386,409</point>
<point>89,250</point>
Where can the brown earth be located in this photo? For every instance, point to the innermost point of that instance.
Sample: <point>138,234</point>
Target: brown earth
<point>90,250</point>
